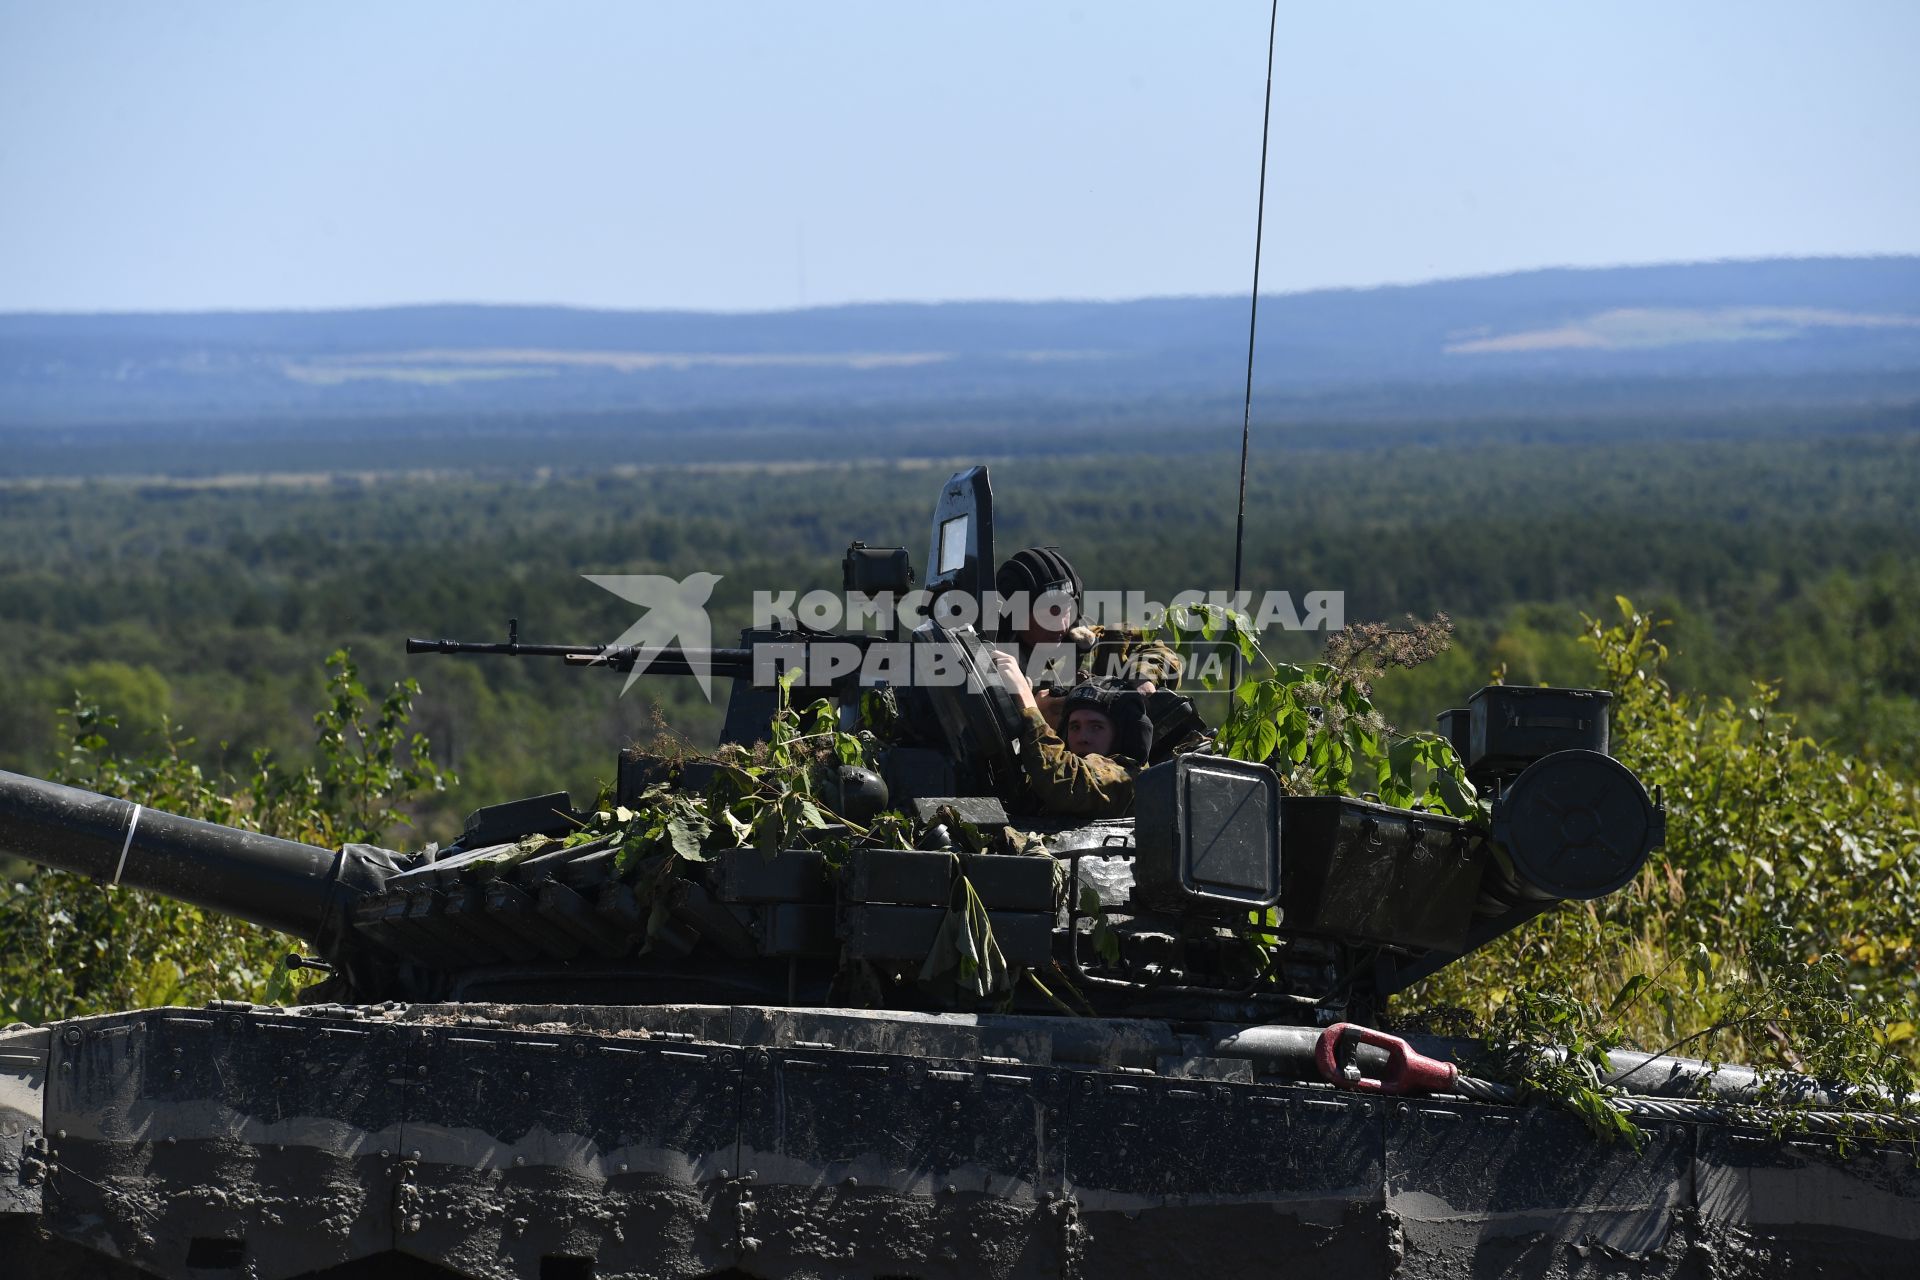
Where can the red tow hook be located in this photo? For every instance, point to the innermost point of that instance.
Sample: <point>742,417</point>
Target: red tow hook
<point>1407,1071</point>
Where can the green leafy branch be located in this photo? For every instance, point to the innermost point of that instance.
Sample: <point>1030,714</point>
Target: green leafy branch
<point>1554,1048</point>
<point>1317,727</point>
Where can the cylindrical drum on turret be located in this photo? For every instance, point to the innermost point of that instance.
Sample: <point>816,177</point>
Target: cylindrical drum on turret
<point>1574,825</point>
<point>280,884</point>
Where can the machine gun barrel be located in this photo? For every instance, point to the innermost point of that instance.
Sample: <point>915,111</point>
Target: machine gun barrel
<point>671,660</point>
<point>781,651</point>
<point>281,884</point>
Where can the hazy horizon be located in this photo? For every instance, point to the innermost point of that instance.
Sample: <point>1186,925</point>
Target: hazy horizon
<point>1265,293</point>
<point>762,158</point>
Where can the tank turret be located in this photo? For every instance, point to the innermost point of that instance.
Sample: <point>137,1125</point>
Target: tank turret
<point>1145,916</point>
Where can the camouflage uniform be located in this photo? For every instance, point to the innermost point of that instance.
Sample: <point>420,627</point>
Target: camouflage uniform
<point>1111,654</point>
<point>1071,785</point>
<point>1115,654</point>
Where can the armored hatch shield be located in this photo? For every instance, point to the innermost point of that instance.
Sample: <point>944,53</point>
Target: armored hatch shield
<point>961,558</point>
<point>978,716</point>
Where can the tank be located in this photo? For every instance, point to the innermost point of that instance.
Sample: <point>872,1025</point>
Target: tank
<point>997,1044</point>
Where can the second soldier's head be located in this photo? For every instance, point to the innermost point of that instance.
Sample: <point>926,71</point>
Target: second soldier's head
<point>1100,721</point>
<point>1086,723</point>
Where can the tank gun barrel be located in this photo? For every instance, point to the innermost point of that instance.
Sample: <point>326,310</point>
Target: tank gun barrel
<point>281,884</point>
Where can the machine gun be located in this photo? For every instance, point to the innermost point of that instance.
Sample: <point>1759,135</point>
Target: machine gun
<point>955,738</point>
<point>766,656</point>
<point>755,666</point>
<point>828,664</point>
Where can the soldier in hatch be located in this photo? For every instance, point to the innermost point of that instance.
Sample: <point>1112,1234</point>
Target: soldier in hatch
<point>1107,740</point>
<point>1045,584</point>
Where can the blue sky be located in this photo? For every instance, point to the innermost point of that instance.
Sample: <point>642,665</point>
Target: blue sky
<point>757,155</point>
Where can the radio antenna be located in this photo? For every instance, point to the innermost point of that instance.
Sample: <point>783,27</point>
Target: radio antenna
<point>1253,321</point>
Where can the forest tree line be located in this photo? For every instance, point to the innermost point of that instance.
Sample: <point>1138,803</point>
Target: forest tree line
<point>212,608</point>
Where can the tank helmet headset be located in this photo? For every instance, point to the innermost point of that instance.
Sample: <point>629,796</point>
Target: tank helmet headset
<point>1087,697</point>
<point>1124,709</point>
<point>1035,572</point>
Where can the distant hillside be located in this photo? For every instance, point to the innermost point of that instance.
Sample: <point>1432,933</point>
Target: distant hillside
<point>1851,326</point>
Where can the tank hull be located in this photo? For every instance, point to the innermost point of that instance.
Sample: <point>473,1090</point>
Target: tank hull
<point>683,1141</point>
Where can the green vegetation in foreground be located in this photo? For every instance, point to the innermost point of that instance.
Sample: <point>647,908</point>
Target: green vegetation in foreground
<point>1780,924</point>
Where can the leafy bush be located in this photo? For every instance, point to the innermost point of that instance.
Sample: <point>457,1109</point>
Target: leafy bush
<point>1778,925</point>
<point>1317,727</point>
